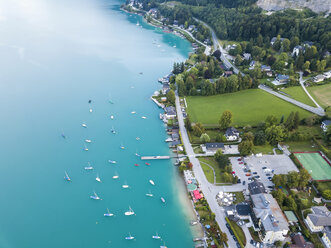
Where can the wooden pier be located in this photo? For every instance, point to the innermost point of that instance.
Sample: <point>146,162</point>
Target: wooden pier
<point>154,157</point>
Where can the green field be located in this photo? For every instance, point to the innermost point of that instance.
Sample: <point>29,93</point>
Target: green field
<point>248,107</point>
<point>322,94</point>
<point>315,164</point>
<point>298,94</point>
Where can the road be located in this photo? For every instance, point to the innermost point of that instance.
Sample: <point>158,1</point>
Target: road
<point>209,190</point>
<point>302,83</point>
<point>217,45</point>
<point>317,111</point>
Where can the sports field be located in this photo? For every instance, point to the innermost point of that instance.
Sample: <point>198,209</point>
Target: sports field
<point>247,106</point>
<point>315,164</point>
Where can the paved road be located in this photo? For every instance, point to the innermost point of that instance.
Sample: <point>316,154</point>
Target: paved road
<point>217,45</point>
<point>304,88</point>
<point>318,111</point>
<point>209,190</point>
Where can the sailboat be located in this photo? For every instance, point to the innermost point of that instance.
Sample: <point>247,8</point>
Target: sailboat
<point>88,141</point>
<point>125,186</point>
<point>112,117</point>
<point>108,214</point>
<point>95,196</point>
<point>133,112</point>
<point>130,212</point>
<point>115,176</point>
<point>110,101</point>
<point>113,130</point>
<point>112,161</point>
<point>66,177</point>
<point>156,236</point>
<point>137,154</point>
<point>98,178</point>
<point>84,125</point>
<point>137,24</point>
<point>85,148</point>
<point>91,110</point>
<point>129,237</point>
<point>89,167</point>
<point>122,147</point>
<point>149,194</point>
<point>144,117</point>
<point>151,182</point>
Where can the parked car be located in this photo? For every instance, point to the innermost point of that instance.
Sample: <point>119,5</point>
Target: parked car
<point>248,174</point>
<point>241,162</point>
<point>239,159</point>
<point>256,176</point>
<point>244,182</point>
<point>233,172</point>
<point>238,245</point>
<point>264,168</point>
<point>270,187</point>
<point>254,172</point>
<point>269,178</point>
<point>268,174</point>
<point>239,181</point>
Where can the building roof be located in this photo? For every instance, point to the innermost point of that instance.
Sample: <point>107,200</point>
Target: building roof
<point>300,242</point>
<point>175,136</point>
<point>214,145</point>
<point>176,142</point>
<point>265,68</point>
<point>252,63</point>
<point>282,77</point>
<point>243,209</point>
<point>256,188</point>
<point>321,216</point>
<point>231,131</point>
<point>291,216</point>
<point>326,122</point>
<point>268,211</point>
<point>170,110</point>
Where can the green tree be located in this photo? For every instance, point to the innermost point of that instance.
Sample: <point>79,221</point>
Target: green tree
<point>271,120</point>
<point>304,178</point>
<point>221,159</point>
<point>279,180</point>
<point>327,194</point>
<point>248,136</point>
<point>226,120</point>
<point>279,196</point>
<point>204,138</point>
<point>278,243</point>
<point>296,120</point>
<point>197,131</point>
<point>171,96</point>
<point>223,237</point>
<point>275,134</point>
<point>202,128</point>
<point>188,124</point>
<point>289,124</point>
<point>259,138</point>
<point>286,45</point>
<point>290,203</point>
<point>306,66</point>
<point>245,147</point>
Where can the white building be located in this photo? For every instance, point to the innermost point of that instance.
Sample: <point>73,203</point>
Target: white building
<point>319,78</point>
<point>326,238</point>
<point>318,219</point>
<point>231,134</point>
<point>269,217</point>
<point>325,125</point>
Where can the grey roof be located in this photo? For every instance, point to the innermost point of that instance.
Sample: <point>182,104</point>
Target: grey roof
<point>174,143</point>
<point>256,188</point>
<point>175,136</point>
<point>321,216</point>
<point>243,209</point>
<point>170,110</point>
<point>214,145</point>
<point>265,67</point>
<point>231,131</point>
<point>326,122</point>
<point>282,77</point>
<point>268,211</point>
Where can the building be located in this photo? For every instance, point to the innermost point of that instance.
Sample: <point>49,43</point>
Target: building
<point>228,73</point>
<point>273,40</point>
<point>247,56</point>
<point>326,238</point>
<point>243,211</point>
<point>325,124</point>
<point>252,65</point>
<point>256,188</point>
<point>212,147</point>
<point>297,49</point>
<point>170,112</point>
<point>318,219</point>
<point>265,68</point>
<point>319,78</point>
<point>282,79</point>
<point>231,134</point>
<point>300,242</point>
<point>327,74</point>
<point>270,219</point>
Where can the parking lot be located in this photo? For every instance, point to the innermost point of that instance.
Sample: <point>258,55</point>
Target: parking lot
<point>262,168</point>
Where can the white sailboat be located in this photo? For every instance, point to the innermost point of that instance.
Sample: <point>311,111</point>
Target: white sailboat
<point>137,138</point>
<point>95,196</point>
<point>108,214</point>
<point>116,176</point>
<point>89,167</point>
<point>125,186</point>
<point>149,194</point>
<point>84,125</point>
<point>130,212</point>
<point>156,236</point>
<point>66,177</point>
<point>85,148</point>
<point>129,237</point>
<point>144,117</point>
<point>163,200</point>
<point>122,147</point>
<point>137,154</point>
<point>151,182</point>
<point>91,110</point>
<point>112,117</point>
<point>88,141</point>
<point>98,178</point>
<point>133,112</point>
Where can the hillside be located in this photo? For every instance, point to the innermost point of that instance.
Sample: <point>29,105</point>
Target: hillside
<point>314,5</point>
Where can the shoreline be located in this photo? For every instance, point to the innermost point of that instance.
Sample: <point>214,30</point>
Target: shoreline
<point>179,189</point>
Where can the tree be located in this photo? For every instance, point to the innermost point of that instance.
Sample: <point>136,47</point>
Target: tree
<point>306,66</point>
<point>271,120</point>
<point>226,120</point>
<point>259,138</point>
<point>279,180</point>
<point>327,194</point>
<point>289,124</point>
<point>171,96</point>
<point>248,136</point>
<point>204,138</point>
<point>221,159</point>
<point>286,45</point>
<point>198,124</point>
<point>279,196</point>
<point>296,120</point>
<point>196,131</point>
<point>275,134</point>
<point>223,237</point>
<point>304,178</point>
<point>290,203</point>
<point>245,147</point>
<point>238,60</point>
<point>278,243</point>
<point>188,124</point>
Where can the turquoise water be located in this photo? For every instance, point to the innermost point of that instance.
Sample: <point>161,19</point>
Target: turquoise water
<point>55,57</point>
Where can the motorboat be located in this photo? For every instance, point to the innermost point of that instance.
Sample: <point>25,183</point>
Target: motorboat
<point>151,182</point>
<point>112,117</point>
<point>112,161</point>
<point>85,148</point>
<point>125,186</point>
<point>129,237</point>
<point>98,179</point>
<point>88,141</point>
<point>89,167</point>
<point>133,112</point>
<point>91,110</point>
<point>115,176</point>
<point>144,117</point>
<point>156,236</point>
<point>163,200</point>
<point>84,125</point>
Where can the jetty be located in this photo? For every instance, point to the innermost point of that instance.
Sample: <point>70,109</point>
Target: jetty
<point>154,157</point>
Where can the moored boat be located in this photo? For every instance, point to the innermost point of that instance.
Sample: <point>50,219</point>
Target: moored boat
<point>66,177</point>
<point>130,212</point>
<point>108,214</point>
<point>151,182</point>
<point>95,196</point>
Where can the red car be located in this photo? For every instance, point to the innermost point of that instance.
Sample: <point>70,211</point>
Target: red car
<point>241,162</point>
<point>233,172</point>
<point>248,174</point>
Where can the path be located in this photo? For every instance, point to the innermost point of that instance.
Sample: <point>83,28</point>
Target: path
<point>212,170</point>
<point>209,190</point>
<point>317,111</point>
<point>302,83</point>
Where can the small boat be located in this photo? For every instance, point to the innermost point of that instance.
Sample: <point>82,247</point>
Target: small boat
<point>151,182</point>
<point>133,112</point>
<point>163,246</point>
<point>144,117</point>
<point>108,214</point>
<point>112,117</point>
<point>136,164</point>
<point>84,125</point>
<point>193,223</point>
<point>112,161</point>
<point>163,200</point>
<point>88,141</point>
<point>98,178</point>
<point>89,167</point>
<point>149,194</point>
<point>129,237</point>
<point>137,154</point>
<point>113,130</point>
<point>66,177</point>
<point>95,196</point>
<point>156,236</point>
<point>89,101</point>
<point>137,138</point>
<point>115,176</point>
<point>125,186</point>
<point>122,147</point>
<point>63,135</point>
<point>91,110</point>
<point>147,163</point>
<point>130,212</point>
<point>85,148</point>
<point>137,24</point>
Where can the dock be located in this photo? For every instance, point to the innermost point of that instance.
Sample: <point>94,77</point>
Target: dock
<point>154,157</point>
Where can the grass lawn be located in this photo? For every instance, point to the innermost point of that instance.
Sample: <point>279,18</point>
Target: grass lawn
<point>248,107</point>
<point>324,185</point>
<point>321,94</point>
<point>212,133</point>
<point>239,197</point>
<point>266,149</point>
<point>218,171</point>
<point>208,172</point>
<point>302,146</point>
<point>239,231</point>
<point>298,94</point>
